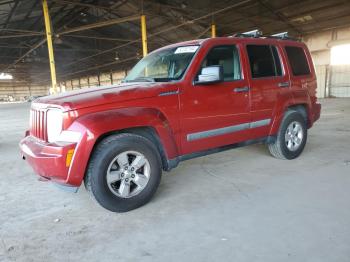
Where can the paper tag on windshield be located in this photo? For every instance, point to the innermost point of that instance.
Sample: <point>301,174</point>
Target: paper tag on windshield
<point>186,49</point>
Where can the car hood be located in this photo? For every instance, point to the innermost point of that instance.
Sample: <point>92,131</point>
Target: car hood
<point>94,96</point>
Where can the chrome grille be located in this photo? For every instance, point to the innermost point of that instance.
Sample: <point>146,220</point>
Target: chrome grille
<point>38,124</point>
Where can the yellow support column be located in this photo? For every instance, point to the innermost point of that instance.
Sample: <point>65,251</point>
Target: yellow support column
<point>50,45</point>
<point>213,30</point>
<point>144,35</point>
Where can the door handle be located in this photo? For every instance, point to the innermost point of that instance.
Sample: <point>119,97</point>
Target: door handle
<point>283,84</point>
<point>241,89</point>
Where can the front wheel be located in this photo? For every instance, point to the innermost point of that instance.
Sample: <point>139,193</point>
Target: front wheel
<point>124,172</point>
<point>291,137</point>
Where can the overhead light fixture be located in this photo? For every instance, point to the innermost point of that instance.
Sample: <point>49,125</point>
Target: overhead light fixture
<point>57,40</point>
<point>116,58</point>
<point>301,19</point>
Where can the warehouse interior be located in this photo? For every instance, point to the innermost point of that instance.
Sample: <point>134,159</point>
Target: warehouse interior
<point>215,208</point>
<point>97,42</point>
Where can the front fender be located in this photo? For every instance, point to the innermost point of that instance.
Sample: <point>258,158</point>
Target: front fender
<point>95,125</point>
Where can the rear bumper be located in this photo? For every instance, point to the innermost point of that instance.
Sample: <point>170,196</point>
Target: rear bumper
<point>47,159</point>
<point>316,112</point>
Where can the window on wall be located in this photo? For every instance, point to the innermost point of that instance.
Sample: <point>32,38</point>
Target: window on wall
<point>340,55</point>
<point>297,60</point>
<point>228,58</point>
<point>5,76</point>
<point>264,61</point>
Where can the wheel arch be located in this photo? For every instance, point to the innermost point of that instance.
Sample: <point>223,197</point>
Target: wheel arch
<point>94,127</point>
<point>301,108</point>
<point>148,132</point>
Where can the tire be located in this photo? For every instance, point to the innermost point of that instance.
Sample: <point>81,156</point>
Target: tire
<point>124,172</point>
<point>286,145</point>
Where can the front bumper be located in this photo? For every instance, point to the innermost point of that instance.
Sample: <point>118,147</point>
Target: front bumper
<point>47,159</point>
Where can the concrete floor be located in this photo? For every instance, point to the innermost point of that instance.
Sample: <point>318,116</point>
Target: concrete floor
<point>240,205</point>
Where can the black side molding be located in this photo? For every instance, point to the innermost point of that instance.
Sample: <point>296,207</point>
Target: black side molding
<point>172,163</point>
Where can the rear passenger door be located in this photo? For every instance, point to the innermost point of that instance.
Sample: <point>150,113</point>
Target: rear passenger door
<point>268,83</point>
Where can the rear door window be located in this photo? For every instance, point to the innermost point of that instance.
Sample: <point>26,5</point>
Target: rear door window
<point>264,61</point>
<point>297,60</point>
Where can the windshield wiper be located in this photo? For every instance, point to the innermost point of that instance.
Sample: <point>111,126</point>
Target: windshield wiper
<point>164,79</point>
<point>141,79</point>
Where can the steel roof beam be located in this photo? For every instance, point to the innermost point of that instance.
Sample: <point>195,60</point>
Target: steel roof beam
<point>100,24</point>
<point>13,10</point>
<point>279,16</point>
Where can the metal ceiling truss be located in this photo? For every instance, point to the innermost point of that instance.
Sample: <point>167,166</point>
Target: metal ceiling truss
<point>103,28</point>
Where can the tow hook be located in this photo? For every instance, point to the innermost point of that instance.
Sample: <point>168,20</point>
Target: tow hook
<point>43,179</point>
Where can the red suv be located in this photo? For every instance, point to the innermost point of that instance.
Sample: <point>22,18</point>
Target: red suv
<point>179,102</point>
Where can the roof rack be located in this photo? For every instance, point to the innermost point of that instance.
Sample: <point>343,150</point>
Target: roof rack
<point>254,33</point>
<point>258,34</point>
<point>283,36</point>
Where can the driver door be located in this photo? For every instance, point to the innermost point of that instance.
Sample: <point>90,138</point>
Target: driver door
<point>216,114</point>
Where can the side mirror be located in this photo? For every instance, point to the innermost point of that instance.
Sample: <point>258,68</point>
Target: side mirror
<point>211,74</point>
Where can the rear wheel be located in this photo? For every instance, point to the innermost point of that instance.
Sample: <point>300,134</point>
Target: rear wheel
<point>124,172</point>
<point>291,137</point>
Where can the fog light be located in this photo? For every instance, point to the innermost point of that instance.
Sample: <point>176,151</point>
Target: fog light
<point>69,157</point>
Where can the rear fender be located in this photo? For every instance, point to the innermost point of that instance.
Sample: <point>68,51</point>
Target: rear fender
<point>284,100</point>
<point>282,107</point>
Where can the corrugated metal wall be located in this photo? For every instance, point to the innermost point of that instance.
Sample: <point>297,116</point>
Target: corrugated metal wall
<point>94,80</point>
<point>339,81</point>
<point>20,90</point>
<point>321,74</point>
<point>333,81</point>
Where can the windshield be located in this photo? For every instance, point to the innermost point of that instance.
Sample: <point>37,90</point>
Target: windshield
<point>162,66</point>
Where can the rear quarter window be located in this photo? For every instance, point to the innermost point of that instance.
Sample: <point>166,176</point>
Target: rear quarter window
<point>297,60</point>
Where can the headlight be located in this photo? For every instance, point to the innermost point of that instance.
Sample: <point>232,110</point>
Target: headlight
<point>54,124</point>
<point>69,136</point>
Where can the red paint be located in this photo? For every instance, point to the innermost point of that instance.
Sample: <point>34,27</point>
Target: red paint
<point>96,111</point>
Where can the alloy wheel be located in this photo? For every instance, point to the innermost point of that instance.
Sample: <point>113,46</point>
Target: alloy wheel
<point>128,174</point>
<point>294,136</point>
